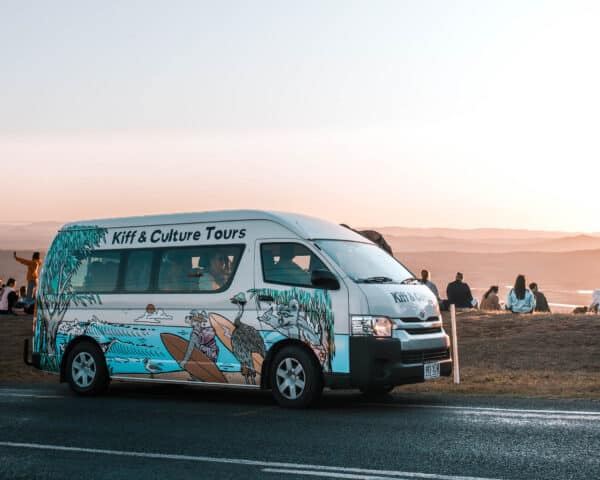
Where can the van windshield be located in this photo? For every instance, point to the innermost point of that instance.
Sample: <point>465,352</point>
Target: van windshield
<point>365,263</point>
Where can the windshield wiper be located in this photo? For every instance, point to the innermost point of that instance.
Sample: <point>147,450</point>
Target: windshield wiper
<point>375,280</point>
<point>410,281</point>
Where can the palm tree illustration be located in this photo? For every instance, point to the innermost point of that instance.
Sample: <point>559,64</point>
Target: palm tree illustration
<point>69,249</point>
<point>245,340</point>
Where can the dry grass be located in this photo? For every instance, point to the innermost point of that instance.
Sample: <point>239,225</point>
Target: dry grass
<point>540,355</point>
<point>549,355</point>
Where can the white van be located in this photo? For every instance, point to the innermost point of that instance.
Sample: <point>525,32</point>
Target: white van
<point>244,298</point>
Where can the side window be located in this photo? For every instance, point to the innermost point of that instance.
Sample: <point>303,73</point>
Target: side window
<point>289,264</point>
<point>139,268</point>
<point>98,273</point>
<point>198,269</point>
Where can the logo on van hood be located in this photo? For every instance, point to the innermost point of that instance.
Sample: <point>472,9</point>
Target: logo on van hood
<point>407,297</point>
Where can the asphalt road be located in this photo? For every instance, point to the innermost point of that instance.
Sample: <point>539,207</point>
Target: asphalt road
<point>147,432</point>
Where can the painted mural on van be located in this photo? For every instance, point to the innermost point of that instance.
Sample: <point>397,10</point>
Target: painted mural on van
<point>204,346</point>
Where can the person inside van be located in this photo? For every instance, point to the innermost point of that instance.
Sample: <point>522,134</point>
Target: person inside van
<point>217,273</point>
<point>541,304</point>
<point>174,273</point>
<point>520,299</point>
<point>490,299</point>
<point>8,298</point>
<point>286,270</point>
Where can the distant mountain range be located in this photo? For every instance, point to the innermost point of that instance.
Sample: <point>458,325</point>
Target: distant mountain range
<point>28,236</point>
<point>562,263</point>
<point>475,233</point>
<point>485,240</point>
<point>492,245</point>
<point>31,236</point>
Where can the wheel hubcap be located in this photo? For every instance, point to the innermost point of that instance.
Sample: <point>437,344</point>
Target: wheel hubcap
<point>291,378</point>
<point>83,369</point>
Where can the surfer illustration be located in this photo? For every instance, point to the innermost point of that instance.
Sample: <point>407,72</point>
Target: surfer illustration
<point>245,340</point>
<point>290,320</point>
<point>202,337</point>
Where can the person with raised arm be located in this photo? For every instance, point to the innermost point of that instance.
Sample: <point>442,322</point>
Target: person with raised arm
<point>33,267</point>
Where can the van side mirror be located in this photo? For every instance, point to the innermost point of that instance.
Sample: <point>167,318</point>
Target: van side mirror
<point>324,279</point>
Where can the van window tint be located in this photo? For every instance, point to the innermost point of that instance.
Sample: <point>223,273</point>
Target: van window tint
<point>289,264</point>
<point>98,273</point>
<point>198,269</point>
<point>139,268</point>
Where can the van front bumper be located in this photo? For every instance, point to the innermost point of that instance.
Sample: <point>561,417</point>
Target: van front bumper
<point>381,362</point>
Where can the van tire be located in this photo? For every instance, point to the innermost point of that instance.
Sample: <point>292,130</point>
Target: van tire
<point>86,370</point>
<point>296,378</point>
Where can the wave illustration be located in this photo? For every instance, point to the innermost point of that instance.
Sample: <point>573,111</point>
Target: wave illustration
<point>127,349</point>
<point>111,331</point>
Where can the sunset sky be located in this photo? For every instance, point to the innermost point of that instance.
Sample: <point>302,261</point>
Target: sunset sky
<point>424,113</point>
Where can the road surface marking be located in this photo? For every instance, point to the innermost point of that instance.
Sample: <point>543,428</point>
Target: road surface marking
<point>240,461</point>
<point>496,411</point>
<point>315,473</point>
<point>30,395</point>
<point>252,412</point>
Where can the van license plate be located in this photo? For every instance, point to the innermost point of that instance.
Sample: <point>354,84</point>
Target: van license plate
<point>432,370</point>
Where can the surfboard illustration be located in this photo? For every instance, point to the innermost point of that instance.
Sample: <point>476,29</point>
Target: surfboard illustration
<point>199,365</point>
<point>224,329</point>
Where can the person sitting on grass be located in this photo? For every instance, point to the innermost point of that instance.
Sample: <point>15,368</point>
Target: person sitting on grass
<point>490,300</point>
<point>459,293</point>
<point>520,299</point>
<point>8,298</point>
<point>426,281</point>
<point>22,300</point>
<point>541,304</point>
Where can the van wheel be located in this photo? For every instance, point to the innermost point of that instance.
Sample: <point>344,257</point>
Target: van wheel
<point>86,370</point>
<point>296,378</point>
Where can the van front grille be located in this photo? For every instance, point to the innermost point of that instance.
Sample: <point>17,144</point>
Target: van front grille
<point>419,320</point>
<point>422,331</point>
<point>425,356</point>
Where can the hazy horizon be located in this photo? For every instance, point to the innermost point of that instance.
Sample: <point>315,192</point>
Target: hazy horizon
<point>432,229</point>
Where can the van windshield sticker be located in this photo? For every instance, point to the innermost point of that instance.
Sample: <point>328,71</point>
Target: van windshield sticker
<point>174,235</point>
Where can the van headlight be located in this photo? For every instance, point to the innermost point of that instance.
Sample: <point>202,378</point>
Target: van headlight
<point>370,325</point>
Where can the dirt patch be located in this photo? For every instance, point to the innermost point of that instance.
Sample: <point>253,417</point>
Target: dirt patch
<point>13,332</point>
<point>547,355</point>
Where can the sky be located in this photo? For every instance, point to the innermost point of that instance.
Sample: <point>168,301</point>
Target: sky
<point>463,114</point>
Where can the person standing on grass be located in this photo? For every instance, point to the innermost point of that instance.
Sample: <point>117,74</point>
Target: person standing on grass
<point>541,304</point>
<point>490,300</point>
<point>8,298</point>
<point>520,300</point>
<point>33,267</point>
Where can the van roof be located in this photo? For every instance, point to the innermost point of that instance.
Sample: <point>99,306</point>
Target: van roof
<point>302,225</point>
